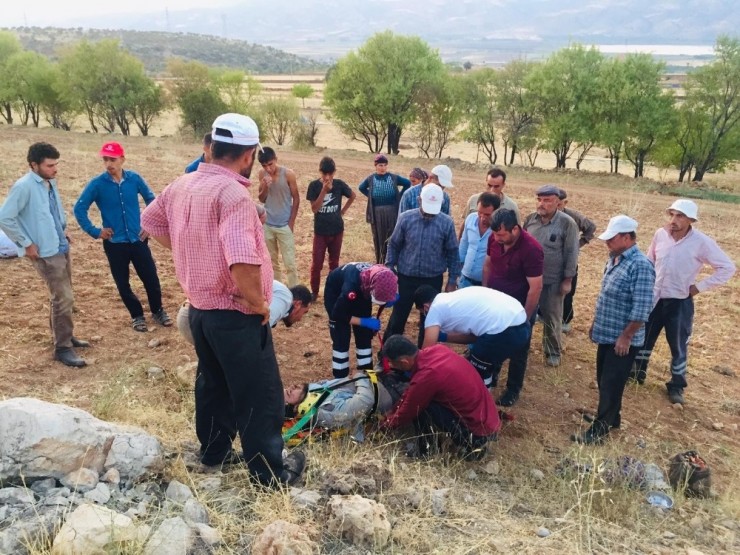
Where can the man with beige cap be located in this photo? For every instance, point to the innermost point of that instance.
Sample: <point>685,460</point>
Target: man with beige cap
<point>679,252</point>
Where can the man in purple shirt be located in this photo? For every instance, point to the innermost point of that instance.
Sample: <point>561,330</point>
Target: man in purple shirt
<point>679,252</point>
<point>514,265</point>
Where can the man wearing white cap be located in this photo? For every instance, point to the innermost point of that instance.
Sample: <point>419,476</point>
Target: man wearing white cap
<point>423,246</point>
<point>210,222</point>
<point>622,308</point>
<point>679,253</point>
<point>442,176</point>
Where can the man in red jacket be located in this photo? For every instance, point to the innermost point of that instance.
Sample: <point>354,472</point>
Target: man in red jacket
<point>445,394</point>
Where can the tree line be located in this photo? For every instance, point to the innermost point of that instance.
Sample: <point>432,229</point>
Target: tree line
<point>573,101</point>
<point>567,104</point>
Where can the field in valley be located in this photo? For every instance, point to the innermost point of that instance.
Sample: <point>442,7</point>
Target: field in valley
<point>492,507</point>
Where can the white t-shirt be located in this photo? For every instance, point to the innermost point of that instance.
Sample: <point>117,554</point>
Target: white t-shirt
<point>282,300</point>
<point>8,248</point>
<point>475,310</point>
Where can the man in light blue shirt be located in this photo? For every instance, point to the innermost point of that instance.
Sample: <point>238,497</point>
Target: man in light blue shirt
<point>474,240</point>
<point>33,218</point>
<point>116,194</point>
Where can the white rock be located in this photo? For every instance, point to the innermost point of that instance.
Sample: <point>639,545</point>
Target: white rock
<point>542,532</point>
<point>210,484</point>
<point>173,537</point>
<point>185,374</point>
<point>210,536</point>
<point>194,511</point>
<point>82,479</point>
<point>717,425</point>
<point>154,343</point>
<point>471,475</point>
<point>284,538</point>
<point>178,492</point>
<point>155,373</point>
<point>359,520</point>
<point>56,501</point>
<point>95,529</point>
<point>100,495</point>
<point>36,530</point>
<point>16,496</point>
<point>692,551</point>
<point>305,498</point>
<point>491,468</point>
<point>111,476</point>
<point>537,475</point>
<point>42,440</point>
<point>439,501</point>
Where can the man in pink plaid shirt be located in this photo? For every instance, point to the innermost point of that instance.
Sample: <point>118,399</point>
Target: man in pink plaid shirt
<point>210,222</point>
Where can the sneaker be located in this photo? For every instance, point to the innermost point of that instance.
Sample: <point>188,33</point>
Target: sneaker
<point>553,360</point>
<point>139,324</point>
<point>508,399</point>
<point>294,465</point>
<point>566,327</point>
<point>675,396</point>
<point>162,318</point>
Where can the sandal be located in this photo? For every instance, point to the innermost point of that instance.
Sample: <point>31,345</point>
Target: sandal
<point>139,324</point>
<point>162,318</point>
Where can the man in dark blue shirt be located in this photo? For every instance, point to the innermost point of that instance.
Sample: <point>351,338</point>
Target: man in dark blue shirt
<point>116,193</point>
<point>205,157</point>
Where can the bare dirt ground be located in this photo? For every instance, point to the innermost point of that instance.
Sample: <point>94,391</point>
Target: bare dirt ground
<point>115,384</point>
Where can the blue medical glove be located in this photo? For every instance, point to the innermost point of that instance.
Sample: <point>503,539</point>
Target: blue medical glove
<point>370,323</point>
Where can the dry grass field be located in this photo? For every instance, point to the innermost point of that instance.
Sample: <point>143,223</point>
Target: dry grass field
<point>495,505</point>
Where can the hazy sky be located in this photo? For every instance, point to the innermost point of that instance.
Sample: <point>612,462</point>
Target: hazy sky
<point>63,14</point>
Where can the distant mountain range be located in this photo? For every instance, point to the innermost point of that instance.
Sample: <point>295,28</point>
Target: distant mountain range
<point>490,30</point>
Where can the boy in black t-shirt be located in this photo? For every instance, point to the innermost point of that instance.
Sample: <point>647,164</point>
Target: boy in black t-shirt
<point>325,195</point>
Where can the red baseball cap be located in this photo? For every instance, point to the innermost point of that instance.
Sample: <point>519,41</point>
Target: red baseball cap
<point>112,150</point>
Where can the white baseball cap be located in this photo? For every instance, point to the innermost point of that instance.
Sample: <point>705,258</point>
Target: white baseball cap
<point>243,130</point>
<point>431,199</point>
<point>444,174</point>
<point>618,224</point>
<point>687,207</point>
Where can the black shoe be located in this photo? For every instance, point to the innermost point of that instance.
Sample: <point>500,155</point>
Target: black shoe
<point>162,318</point>
<point>294,465</point>
<point>675,396</point>
<point>80,343</point>
<point>508,399</point>
<point>68,357</point>
<point>588,438</point>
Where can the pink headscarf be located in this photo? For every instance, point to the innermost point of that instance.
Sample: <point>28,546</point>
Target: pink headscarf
<point>380,282</point>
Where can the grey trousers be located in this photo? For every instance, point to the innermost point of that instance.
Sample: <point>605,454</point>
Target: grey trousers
<point>56,271</point>
<point>551,311</point>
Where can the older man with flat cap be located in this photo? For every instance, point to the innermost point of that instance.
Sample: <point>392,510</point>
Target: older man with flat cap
<point>679,252</point>
<point>558,234</point>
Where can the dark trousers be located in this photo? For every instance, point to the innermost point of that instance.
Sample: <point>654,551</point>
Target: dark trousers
<point>612,372</point>
<point>341,335</point>
<point>435,419</point>
<point>676,316</point>
<point>568,300</point>
<point>517,363</point>
<point>384,221</point>
<point>489,351</point>
<point>322,244</point>
<point>407,286</point>
<point>238,390</point>
<point>120,256</point>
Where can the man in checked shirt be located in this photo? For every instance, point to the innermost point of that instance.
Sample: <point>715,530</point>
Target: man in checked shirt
<point>622,308</point>
<point>210,222</point>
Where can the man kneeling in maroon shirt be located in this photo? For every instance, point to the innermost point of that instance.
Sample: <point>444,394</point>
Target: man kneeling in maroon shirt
<point>445,395</point>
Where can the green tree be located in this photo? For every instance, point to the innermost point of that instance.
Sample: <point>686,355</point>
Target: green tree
<point>240,90</point>
<point>197,95</point>
<point>440,112</point>
<point>613,110</point>
<point>146,103</point>
<point>9,45</point>
<point>57,101</point>
<point>714,90</point>
<point>25,72</point>
<point>372,92</point>
<point>515,112</point>
<point>279,117</point>
<point>481,111</point>
<point>565,94</point>
<point>302,91</point>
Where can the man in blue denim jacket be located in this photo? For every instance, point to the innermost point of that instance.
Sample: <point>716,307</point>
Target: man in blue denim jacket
<point>33,218</point>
